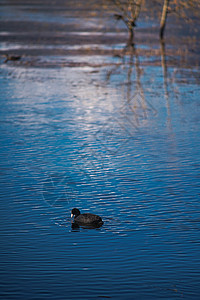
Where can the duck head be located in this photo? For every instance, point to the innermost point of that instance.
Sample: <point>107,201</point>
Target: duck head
<point>75,212</point>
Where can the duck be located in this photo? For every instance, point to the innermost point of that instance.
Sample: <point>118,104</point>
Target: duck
<point>86,219</point>
<point>12,57</point>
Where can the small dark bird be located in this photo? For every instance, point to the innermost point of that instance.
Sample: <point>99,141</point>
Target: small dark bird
<point>86,219</point>
<point>118,17</point>
<point>12,57</point>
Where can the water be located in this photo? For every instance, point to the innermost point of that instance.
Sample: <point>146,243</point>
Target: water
<point>117,139</point>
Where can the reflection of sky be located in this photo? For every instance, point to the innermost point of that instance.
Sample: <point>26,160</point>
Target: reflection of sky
<point>112,139</point>
<point>80,105</point>
<point>5,46</point>
<point>113,145</point>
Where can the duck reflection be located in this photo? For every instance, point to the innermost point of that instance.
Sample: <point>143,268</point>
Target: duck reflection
<point>76,227</point>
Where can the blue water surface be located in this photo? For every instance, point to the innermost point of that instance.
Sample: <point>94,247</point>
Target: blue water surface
<point>71,137</point>
<point>115,136</point>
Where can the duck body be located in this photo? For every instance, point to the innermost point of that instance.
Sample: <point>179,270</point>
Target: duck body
<point>86,219</point>
<point>12,57</point>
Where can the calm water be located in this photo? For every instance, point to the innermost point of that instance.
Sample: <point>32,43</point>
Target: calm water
<point>119,140</point>
<point>72,138</point>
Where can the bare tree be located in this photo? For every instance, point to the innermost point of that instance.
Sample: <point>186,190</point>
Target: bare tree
<point>129,11</point>
<point>185,9</point>
<point>164,17</point>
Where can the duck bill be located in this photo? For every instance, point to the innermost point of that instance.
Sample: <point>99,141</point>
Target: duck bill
<point>72,215</point>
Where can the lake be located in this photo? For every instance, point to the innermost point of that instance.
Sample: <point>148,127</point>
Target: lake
<point>115,135</point>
